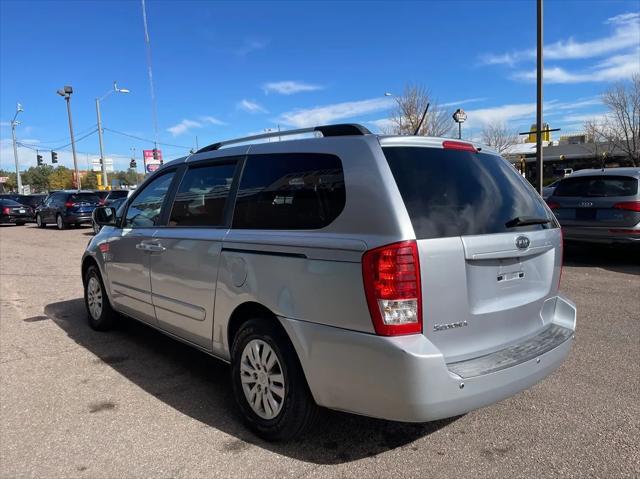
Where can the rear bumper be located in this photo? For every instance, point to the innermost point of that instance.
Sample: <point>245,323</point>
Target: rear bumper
<point>407,379</point>
<point>77,218</point>
<point>608,235</point>
<point>14,219</point>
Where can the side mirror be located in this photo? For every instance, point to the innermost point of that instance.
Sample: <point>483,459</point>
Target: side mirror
<point>105,216</point>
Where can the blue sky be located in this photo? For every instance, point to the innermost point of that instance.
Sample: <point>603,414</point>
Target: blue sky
<point>225,69</point>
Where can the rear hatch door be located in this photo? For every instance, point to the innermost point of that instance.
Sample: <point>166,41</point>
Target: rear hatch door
<point>490,250</point>
<point>83,203</point>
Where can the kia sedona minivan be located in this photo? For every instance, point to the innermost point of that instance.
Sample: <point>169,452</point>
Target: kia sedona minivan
<point>398,277</point>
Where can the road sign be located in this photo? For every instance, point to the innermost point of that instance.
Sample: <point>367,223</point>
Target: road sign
<point>108,164</point>
<point>152,162</point>
<point>459,116</point>
<point>4,179</point>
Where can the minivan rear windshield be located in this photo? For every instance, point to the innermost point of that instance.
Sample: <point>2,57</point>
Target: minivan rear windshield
<point>459,193</point>
<point>597,186</point>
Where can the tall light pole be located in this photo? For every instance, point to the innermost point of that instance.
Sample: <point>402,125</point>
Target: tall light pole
<point>539,71</point>
<point>66,92</point>
<point>15,123</point>
<point>103,167</point>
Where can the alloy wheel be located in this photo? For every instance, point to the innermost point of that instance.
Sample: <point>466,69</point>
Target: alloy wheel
<point>262,379</point>
<point>94,297</point>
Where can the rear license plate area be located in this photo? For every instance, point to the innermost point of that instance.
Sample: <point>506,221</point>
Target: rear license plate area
<point>586,214</point>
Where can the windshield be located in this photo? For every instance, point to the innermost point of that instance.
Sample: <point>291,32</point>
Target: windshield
<point>458,193</point>
<point>84,198</point>
<point>598,186</point>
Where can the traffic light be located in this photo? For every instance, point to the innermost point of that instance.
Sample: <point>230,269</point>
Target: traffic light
<point>155,153</point>
<point>132,164</point>
<point>39,159</point>
<point>54,157</point>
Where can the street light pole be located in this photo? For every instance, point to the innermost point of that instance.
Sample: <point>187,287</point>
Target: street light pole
<point>539,72</point>
<point>15,123</point>
<point>66,93</point>
<point>103,166</point>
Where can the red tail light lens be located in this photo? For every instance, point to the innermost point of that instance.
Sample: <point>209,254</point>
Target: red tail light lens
<point>69,204</point>
<point>458,145</point>
<point>392,286</point>
<point>628,205</point>
<point>553,205</point>
<point>6,211</point>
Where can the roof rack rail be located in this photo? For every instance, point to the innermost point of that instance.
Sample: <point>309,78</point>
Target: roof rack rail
<point>345,129</point>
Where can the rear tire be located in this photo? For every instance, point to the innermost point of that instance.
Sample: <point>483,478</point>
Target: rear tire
<point>60,223</point>
<point>39,222</point>
<point>99,313</point>
<point>269,384</point>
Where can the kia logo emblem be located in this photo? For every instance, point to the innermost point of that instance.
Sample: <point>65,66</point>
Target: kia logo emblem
<point>522,242</point>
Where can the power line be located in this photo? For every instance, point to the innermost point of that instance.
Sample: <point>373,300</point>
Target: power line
<point>66,138</point>
<point>40,147</point>
<point>145,139</point>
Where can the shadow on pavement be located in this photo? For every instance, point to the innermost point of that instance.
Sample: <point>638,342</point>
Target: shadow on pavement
<point>197,385</point>
<point>621,259</point>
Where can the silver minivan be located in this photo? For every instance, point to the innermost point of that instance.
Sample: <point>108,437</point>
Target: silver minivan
<point>399,277</point>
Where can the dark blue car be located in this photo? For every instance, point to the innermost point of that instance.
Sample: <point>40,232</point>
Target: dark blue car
<point>67,208</point>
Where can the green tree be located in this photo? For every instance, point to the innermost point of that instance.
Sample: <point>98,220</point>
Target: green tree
<point>37,177</point>
<point>90,181</point>
<point>61,179</point>
<point>11,183</point>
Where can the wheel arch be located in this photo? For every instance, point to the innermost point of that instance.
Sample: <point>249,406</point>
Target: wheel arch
<point>246,311</point>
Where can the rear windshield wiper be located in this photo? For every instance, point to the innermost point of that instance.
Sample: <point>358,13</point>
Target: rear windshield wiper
<point>526,221</point>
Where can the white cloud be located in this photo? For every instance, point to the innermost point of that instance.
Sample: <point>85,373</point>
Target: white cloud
<point>462,102</point>
<point>251,45</point>
<point>323,115</point>
<point>289,87</point>
<point>383,124</point>
<point>618,67</point>
<point>251,106</point>
<point>186,125</point>
<point>626,34</point>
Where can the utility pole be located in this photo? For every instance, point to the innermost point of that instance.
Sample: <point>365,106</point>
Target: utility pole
<point>539,72</point>
<point>15,123</point>
<point>66,93</point>
<point>103,167</point>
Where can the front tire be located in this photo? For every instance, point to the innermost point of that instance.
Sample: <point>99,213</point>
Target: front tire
<point>39,222</point>
<point>269,384</point>
<point>99,313</point>
<point>60,222</point>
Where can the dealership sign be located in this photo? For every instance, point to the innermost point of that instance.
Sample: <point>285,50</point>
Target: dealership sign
<point>152,160</point>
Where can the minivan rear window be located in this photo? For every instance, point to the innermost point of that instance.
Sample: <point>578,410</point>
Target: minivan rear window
<point>597,186</point>
<point>458,193</point>
<point>289,191</point>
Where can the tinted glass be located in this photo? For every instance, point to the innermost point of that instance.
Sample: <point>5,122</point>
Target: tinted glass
<point>84,198</point>
<point>118,194</point>
<point>597,186</point>
<point>202,196</point>
<point>146,207</point>
<point>290,191</point>
<point>10,203</point>
<point>458,193</point>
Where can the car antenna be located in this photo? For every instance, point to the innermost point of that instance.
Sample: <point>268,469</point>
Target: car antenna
<point>415,133</point>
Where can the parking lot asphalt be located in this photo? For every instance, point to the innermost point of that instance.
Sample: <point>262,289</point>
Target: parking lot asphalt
<point>134,403</point>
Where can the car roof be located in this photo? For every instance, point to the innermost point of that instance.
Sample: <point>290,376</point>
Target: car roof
<point>626,171</point>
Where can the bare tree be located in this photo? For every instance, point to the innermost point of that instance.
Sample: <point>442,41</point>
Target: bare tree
<point>498,136</point>
<point>621,125</point>
<point>408,112</point>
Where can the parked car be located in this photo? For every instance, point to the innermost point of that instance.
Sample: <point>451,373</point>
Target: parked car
<point>116,204</point>
<point>549,189</point>
<point>399,277</point>
<point>64,208</point>
<point>14,212</point>
<point>32,201</point>
<point>115,195</point>
<point>599,206</point>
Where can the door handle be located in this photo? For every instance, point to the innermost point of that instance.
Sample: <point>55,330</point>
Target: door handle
<point>150,247</point>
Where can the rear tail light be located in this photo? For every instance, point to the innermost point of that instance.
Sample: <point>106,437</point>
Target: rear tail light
<point>69,204</point>
<point>458,145</point>
<point>6,211</point>
<point>553,205</point>
<point>392,286</point>
<point>628,205</point>
<point>102,201</point>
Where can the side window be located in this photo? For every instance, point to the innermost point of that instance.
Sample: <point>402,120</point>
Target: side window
<point>56,200</point>
<point>202,196</point>
<point>290,191</point>
<point>145,209</point>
